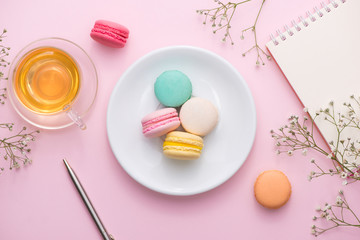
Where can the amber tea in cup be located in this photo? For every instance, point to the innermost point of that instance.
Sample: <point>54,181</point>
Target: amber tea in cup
<point>47,80</point>
<point>52,83</point>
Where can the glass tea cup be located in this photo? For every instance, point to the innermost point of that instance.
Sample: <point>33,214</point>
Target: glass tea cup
<point>52,83</point>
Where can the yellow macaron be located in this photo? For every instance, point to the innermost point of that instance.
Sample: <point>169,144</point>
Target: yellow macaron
<point>182,146</point>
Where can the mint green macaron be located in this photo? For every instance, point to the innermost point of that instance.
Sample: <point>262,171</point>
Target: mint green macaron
<point>173,88</point>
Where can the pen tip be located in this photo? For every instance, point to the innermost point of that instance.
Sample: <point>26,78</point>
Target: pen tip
<point>66,163</point>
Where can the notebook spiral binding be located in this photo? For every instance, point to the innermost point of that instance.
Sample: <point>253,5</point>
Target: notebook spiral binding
<point>303,23</point>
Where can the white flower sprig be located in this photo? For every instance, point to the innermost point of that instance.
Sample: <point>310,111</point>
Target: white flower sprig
<point>343,153</point>
<point>298,135</point>
<point>220,19</point>
<point>15,147</point>
<point>338,214</point>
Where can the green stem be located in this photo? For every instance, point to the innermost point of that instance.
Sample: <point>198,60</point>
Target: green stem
<point>257,17</point>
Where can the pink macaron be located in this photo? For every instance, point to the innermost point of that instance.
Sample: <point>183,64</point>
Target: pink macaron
<point>160,122</point>
<point>109,33</point>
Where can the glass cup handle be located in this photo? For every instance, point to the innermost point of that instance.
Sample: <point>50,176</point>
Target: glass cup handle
<point>74,116</point>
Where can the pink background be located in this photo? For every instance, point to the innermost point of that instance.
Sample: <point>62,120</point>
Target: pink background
<point>40,202</point>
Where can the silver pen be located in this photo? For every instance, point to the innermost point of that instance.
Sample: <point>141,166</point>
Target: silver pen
<point>87,202</point>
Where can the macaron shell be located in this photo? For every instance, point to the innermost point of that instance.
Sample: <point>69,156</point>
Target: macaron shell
<point>272,189</point>
<point>186,137</point>
<point>162,129</point>
<point>112,27</point>
<point>173,88</point>
<point>107,39</point>
<point>159,114</point>
<point>198,116</point>
<point>181,154</point>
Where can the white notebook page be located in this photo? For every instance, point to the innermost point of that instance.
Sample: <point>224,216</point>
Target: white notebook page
<point>322,60</point>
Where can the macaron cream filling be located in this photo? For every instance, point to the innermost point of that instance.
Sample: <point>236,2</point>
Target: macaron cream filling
<point>166,144</point>
<point>185,141</point>
<point>156,125</point>
<point>173,115</point>
<point>182,148</point>
<point>112,30</point>
<point>113,35</point>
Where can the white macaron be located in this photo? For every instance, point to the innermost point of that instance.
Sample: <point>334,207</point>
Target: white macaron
<point>198,116</point>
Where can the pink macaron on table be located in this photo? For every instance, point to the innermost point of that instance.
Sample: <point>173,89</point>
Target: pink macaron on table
<point>137,191</point>
<point>109,33</point>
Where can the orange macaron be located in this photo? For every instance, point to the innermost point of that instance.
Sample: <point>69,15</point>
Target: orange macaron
<point>272,189</point>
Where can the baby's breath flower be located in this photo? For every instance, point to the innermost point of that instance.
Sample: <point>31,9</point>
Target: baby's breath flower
<point>339,201</point>
<point>304,151</point>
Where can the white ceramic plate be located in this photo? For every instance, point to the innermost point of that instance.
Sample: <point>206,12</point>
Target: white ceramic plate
<point>226,147</point>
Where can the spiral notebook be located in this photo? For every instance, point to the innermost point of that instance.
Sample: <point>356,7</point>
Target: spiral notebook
<point>320,57</point>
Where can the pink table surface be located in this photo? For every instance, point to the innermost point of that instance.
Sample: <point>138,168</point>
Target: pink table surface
<point>40,202</point>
